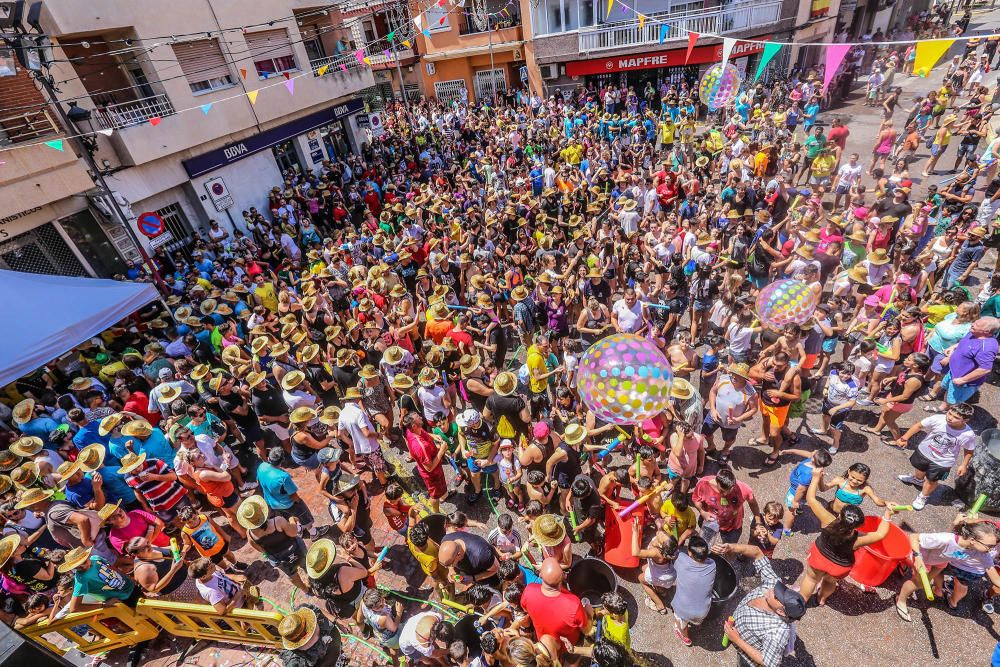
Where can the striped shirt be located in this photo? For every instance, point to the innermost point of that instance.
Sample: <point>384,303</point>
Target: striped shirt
<point>161,496</point>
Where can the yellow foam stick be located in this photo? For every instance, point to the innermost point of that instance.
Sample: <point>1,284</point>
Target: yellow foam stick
<point>927,584</point>
<point>455,605</point>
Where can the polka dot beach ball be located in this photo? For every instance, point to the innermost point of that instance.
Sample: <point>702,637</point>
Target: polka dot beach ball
<point>624,379</point>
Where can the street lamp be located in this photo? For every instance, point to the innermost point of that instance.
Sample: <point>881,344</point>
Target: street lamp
<point>83,124</point>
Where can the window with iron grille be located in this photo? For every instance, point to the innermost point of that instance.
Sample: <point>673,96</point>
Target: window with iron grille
<point>451,91</point>
<point>203,64</point>
<point>177,224</point>
<point>40,250</point>
<point>271,52</point>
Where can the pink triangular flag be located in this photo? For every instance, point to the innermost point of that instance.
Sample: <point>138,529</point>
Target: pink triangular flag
<point>360,55</point>
<point>290,85</point>
<point>692,39</point>
<point>834,56</point>
<point>154,121</point>
<point>343,67</point>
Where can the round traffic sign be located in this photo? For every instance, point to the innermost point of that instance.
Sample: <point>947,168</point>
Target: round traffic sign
<point>218,189</point>
<point>150,224</point>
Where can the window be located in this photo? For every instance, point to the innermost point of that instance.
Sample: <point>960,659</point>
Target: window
<point>370,35</point>
<point>271,52</point>
<point>203,64</point>
<point>433,16</point>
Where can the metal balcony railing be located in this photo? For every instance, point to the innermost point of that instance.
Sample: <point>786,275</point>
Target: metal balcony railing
<point>136,112</point>
<point>715,21</point>
<point>26,126</point>
<point>498,22</point>
<point>333,64</point>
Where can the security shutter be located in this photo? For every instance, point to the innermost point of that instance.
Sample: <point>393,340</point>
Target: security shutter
<point>269,44</point>
<point>201,60</point>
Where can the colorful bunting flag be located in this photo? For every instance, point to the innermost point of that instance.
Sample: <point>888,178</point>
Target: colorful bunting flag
<point>343,67</point>
<point>664,29</point>
<point>611,5</point>
<point>266,75</point>
<point>642,21</point>
<point>834,56</point>
<point>322,70</point>
<point>391,36</point>
<point>252,94</point>
<point>286,75</point>
<point>727,47</point>
<point>205,108</point>
<point>441,3</point>
<point>367,60</point>
<point>155,120</point>
<point>406,43</point>
<point>243,73</point>
<point>56,144</point>
<point>290,85</point>
<point>417,19</point>
<point>692,39</point>
<point>928,53</point>
<point>427,33</point>
<point>106,133</point>
<point>385,52</point>
<point>360,55</point>
<point>770,51</point>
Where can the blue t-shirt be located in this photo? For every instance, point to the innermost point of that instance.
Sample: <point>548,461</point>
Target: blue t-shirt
<point>276,485</point>
<point>156,446</point>
<point>529,576</point>
<point>801,475</point>
<point>102,581</point>
<point>40,427</point>
<point>88,435</point>
<point>80,494</point>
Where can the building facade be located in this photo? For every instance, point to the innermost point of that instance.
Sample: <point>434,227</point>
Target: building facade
<point>576,42</point>
<point>198,111</point>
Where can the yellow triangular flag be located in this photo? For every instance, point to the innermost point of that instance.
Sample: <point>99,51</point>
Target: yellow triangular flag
<point>406,43</point>
<point>611,5</point>
<point>642,21</point>
<point>252,94</point>
<point>368,60</point>
<point>928,53</point>
<point>322,70</point>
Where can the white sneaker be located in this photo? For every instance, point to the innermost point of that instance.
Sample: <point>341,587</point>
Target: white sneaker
<point>910,479</point>
<point>248,485</point>
<point>832,450</point>
<point>919,502</point>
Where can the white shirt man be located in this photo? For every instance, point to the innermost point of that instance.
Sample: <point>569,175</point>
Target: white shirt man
<point>355,422</point>
<point>629,315</point>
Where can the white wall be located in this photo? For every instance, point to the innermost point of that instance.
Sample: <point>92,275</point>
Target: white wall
<point>175,195</point>
<point>249,180</point>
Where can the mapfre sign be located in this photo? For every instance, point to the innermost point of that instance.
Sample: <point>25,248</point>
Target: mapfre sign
<point>711,53</point>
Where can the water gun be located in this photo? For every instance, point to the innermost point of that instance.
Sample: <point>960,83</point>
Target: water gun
<point>175,549</point>
<point>725,637</point>
<point>382,554</point>
<point>610,448</point>
<point>574,524</point>
<point>642,500</point>
<point>978,505</point>
<point>466,609</point>
<point>926,583</point>
<point>902,508</point>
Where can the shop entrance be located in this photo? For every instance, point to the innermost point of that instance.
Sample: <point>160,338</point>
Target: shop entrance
<point>286,157</point>
<point>40,250</point>
<point>638,79</point>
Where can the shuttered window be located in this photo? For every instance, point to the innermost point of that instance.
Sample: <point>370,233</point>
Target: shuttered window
<point>203,64</point>
<point>271,51</point>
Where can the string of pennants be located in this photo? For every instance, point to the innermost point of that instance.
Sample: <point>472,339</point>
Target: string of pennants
<point>424,21</point>
<point>928,52</point>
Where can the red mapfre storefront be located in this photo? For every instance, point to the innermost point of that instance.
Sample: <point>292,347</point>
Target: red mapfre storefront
<point>711,53</point>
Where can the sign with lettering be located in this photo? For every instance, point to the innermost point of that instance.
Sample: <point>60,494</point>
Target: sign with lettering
<point>711,53</point>
<point>219,193</point>
<point>220,157</point>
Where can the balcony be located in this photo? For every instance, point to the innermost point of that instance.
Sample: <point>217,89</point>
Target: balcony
<point>334,65</point>
<point>498,22</point>
<point>26,126</point>
<point>715,21</point>
<point>136,112</point>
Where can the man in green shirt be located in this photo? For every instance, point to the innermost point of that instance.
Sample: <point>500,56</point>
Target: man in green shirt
<point>814,143</point>
<point>95,582</point>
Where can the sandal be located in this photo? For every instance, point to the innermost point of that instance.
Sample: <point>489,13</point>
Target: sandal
<point>652,605</point>
<point>680,635</point>
<point>903,613</point>
<point>771,460</point>
<point>870,430</point>
<point>757,442</point>
<point>933,409</point>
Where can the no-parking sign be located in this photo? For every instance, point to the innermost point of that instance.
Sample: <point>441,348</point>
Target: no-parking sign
<point>219,193</point>
<point>150,224</point>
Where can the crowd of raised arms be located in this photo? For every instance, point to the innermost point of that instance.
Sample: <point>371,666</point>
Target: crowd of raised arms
<point>399,334</point>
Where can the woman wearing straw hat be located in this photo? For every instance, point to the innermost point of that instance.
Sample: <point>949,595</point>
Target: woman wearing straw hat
<point>309,639</point>
<point>549,532</point>
<point>275,537</point>
<point>31,573</point>
<point>308,436</point>
<point>336,577</point>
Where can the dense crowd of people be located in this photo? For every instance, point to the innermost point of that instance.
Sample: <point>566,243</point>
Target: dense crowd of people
<point>403,328</point>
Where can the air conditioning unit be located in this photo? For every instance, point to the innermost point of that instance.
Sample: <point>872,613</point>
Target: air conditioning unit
<point>550,71</point>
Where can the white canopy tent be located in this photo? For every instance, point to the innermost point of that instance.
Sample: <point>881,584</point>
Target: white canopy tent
<point>45,316</point>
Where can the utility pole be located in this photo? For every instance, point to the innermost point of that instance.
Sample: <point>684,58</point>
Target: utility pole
<point>29,47</point>
<point>398,17</point>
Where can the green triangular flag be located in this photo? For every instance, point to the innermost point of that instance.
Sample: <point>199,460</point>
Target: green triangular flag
<point>56,144</point>
<point>770,51</point>
<point>391,36</point>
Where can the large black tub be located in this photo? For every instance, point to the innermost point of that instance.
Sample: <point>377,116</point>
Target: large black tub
<point>591,578</point>
<point>467,633</point>
<point>726,582</point>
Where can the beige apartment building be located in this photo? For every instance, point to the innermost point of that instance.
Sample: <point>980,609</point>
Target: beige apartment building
<point>198,108</point>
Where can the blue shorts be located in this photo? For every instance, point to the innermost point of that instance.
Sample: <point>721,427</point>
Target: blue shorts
<point>836,420</point>
<point>955,394</point>
<point>830,345</point>
<point>709,426</point>
<point>489,470</point>
<point>964,576</point>
<point>790,497</point>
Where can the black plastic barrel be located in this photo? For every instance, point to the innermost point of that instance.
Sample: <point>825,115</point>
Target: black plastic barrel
<point>467,632</point>
<point>591,578</point>
<point>435,526</point>
<point>726,582</point>
<point>985,477</point>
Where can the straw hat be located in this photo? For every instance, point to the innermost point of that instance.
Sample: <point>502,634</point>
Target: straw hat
<point>302,415</point>
<point>858,274</point>
<point>297,629</point>
<point>575,434</point>
<point>207,307</point>
<point>393,355</point>
<point>878,257</point>
<point>66,470</point>
<point>73,559</point>
<point>858,235</point>
<point>24,411</point>
<point>742,369</point>
<point>428,377</point>
<point>8,545</point>
<point>368,372</point>
<point>231,354</point>
<point>254,378</point>
<point>252,512</point>
<point>681,389</point>
<point>292,380</point>
<point>8,460</point>
<point>33,496</point>
<point>548,530</point>
<point>505,383</point>
<point>131,461</point>
<point>804,251</point>
<point>5,484</point>
<point>344,483</point>
<point>110,423</point>
<point>167,396</point>
<point>139,428</point>
<point>182,313</point>
<point>352,394</point>
<point>258,345</point>
<point>309,353</point>
<point>27,446</point>
<point>330,415</point>
<point>401,382</point>
<point>280,349</point>
<point>200,372</point>
<point>320,557</point>
<point>24,475</point>
<point>469,363</point>
<point>519,293</point>
<point>81,384</point>
<point>109,508</point>
<point>299,337</point>
<point>439,310</point>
